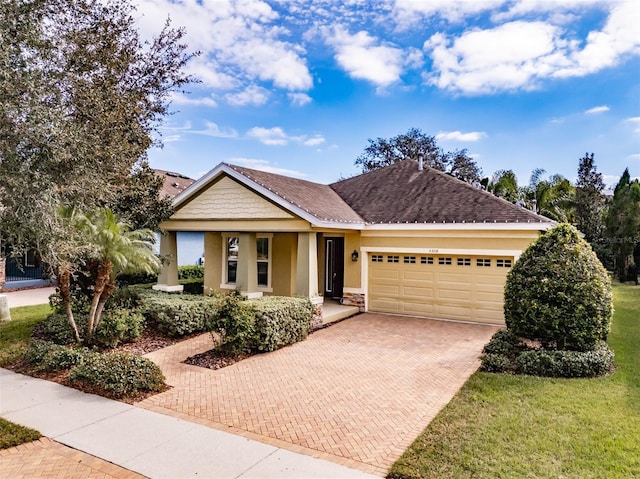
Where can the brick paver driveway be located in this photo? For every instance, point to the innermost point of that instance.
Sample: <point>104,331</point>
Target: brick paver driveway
<point>357,393</point>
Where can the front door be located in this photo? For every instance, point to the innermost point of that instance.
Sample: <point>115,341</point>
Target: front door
<point>333,267</point>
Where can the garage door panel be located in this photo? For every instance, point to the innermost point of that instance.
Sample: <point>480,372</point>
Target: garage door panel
<point>385,305</point>
<point>421,293</point>
<point>445,293</point>
<point>418,308</point>
<point>456,288</point>
<point>381,289</point>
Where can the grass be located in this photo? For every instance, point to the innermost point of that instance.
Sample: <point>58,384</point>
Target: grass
<point>14,334</point>
<point>13,434</point>
<point>504,426</point>
<point>14,338</point>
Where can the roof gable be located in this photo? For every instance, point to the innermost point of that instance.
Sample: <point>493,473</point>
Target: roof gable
<point>227,199</point>
<point>401,193</point>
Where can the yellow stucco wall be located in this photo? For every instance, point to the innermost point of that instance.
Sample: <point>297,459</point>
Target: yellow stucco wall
<point>452,239</point>
<point>284,252</point>
<point>352,269</point>
<point>213,261</point>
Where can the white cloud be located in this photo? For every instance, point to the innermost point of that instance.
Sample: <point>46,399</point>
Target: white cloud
<point>264,165</point>
<point>410,12</point>
<point>597,109</point>
<point>182,99</point>
<point>508,57</point>
<point>635,122</point>
<point>299,99</point>
<point>459,136</point>
<point>634,157</point>
<point>365,57</point>
<point>269,136</point>
<point>252,95</point>
<point>212,129</point>
<point>276,136</point>
<point>241,42</point>
<point>315,141</point>
<point>519,54</point>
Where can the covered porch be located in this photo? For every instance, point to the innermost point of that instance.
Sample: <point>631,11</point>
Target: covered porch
<point>308,264</point>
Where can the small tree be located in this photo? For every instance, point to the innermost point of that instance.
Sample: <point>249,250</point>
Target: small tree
<point>559,293</point>
<point>106,247</point>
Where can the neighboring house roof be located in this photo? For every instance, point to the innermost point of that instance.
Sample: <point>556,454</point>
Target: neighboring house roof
<point>173,183</point>
<point>400,193</point>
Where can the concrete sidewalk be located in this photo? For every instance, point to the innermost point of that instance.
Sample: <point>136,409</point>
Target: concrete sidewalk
<point>29,297</point>
<point>150,443</point>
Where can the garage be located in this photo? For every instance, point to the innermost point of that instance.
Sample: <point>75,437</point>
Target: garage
<point>458,287</point>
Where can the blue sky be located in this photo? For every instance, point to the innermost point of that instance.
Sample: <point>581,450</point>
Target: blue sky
<point>297,87</point>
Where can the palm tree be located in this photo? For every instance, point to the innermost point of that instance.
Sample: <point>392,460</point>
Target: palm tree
<point>105,246</point>
<point>114,250</point>
<point>553,196</point>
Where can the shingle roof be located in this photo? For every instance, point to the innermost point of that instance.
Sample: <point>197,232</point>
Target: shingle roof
<point>316,199</point>
<point>400,193</point>
<point>173,183</point>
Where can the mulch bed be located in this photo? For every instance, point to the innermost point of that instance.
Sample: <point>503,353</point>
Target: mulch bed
<point>215,359</point>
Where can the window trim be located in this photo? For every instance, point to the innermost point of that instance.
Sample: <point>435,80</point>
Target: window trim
<point>224,284</point>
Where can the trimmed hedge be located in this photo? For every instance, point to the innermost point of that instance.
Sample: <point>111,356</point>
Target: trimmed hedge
<point>505,353</point>
<point>559,293</point>
<point>191,272</point>
<point>45,356</point>
<point>117,374</point>
<point>280,321</point>
<point>178,314</point>
<point>263,324</point>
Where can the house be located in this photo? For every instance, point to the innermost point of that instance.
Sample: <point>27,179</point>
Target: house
<point>190,243</point>
<point>402,239</point>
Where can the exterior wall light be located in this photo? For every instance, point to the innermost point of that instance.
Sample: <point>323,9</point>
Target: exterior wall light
<point>354,256</point>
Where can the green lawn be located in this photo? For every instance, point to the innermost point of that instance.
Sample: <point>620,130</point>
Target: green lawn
<point>14,337</point>
<point>14,334</point>
<point>503,426</point>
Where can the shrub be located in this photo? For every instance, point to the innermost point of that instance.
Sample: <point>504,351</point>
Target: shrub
<point>566,364</point>
<point>280,321</point>
<point>263,324</point>
<point>119,326</point>
<point>191,272</point>
<point>127,297</point>
<point>193,285</point>
<point>504,343</point>
<point>117,374</point>
<point>55,328</point>
<point>178,314</point>
<point>559,293</point>
<point>495,363</point>
<point>234,322</point>
<point>45,356</point>
<point>136,278</point>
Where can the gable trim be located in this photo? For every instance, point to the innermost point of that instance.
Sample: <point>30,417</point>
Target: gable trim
<point>297,210</point>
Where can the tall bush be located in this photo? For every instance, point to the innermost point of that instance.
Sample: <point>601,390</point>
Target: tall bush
<point>559,293</point>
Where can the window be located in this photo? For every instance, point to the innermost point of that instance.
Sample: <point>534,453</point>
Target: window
<point>503,263</point>
<point>464,261</point>
<point>409,259</point>
<point>426,260</point>
<point>232,244</point>
<point>483,262</point>
<point>376,258</point>
<point>262,245</point>
<point>444,260</point>
<point>231,247</point>
<point>393,259</point>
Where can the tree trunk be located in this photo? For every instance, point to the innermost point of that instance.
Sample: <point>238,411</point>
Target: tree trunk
<point>106,294</point>
<point>64,284</point>
<point>102,279</point>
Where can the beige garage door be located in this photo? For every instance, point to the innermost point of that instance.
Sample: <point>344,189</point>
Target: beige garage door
<point>468,288</point>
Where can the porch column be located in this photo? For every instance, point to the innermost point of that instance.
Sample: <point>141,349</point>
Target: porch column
<point>168,277</point>
<point>247,274</point>
<point>212,262</point>
<point>307,265</point>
